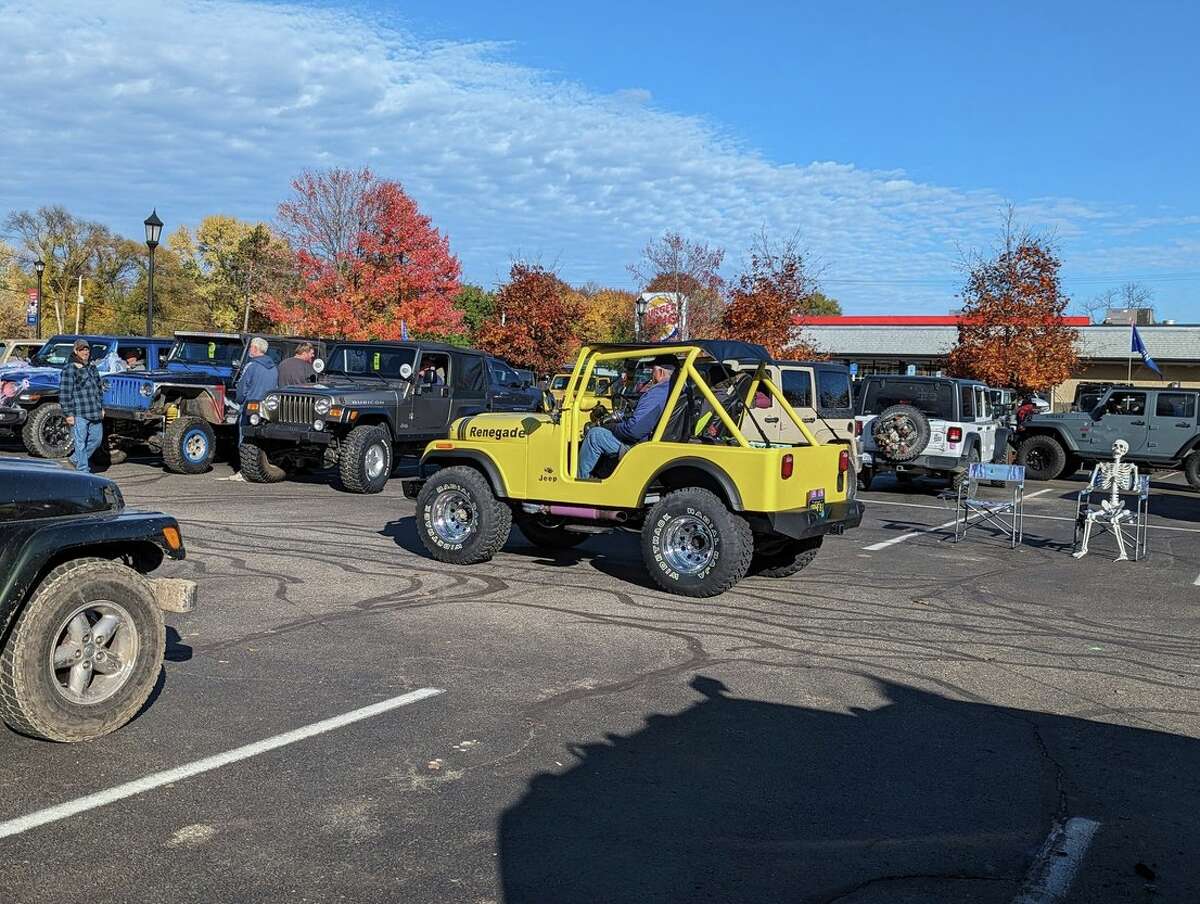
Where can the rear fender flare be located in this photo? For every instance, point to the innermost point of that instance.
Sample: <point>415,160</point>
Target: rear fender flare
<point>723,480</point>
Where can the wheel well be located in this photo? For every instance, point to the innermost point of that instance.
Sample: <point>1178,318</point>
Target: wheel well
<point>143,556</point>
<point>675,477</point>
<point>479,463</point>
<point>374,420</point>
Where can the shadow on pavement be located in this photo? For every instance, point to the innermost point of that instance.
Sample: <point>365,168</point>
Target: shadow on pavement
<point>923,799</point>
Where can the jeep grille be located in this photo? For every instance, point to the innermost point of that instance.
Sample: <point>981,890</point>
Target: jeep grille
<point>122,392</point>
<point>294,409</point>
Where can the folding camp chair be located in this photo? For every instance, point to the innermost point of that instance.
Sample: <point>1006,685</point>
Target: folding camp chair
<point>1006,515</point>
<point>1133,530</point>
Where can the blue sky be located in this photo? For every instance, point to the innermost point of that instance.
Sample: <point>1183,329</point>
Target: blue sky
<point>889,135</point>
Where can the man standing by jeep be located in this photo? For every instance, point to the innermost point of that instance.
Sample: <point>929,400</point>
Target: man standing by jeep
<point>298,369</point>
<point>82,400</point>
<point>259,376</point>
<point>633,428</point>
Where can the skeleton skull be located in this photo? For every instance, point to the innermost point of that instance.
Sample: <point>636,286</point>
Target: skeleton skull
<point>1120,448</point>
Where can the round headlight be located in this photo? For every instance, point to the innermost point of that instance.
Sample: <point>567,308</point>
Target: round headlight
<point>271,402</point>
<point>318,425</point>
<point>146,389</point>
<point>321,407</point>
<point>254,420</point>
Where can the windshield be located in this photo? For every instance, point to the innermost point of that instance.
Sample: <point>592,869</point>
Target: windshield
<point>363,360</point>
<point>56,354</point>
<point>222,352</point>
<point>560,382</point>
<point>935,399</point>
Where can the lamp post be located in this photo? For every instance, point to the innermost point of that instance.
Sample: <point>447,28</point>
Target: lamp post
<point>39,267</point>
<point>639,308</point>
<point>153,230</point>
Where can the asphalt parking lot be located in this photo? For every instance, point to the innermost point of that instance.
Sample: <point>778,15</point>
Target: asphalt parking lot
<point>907,720</point>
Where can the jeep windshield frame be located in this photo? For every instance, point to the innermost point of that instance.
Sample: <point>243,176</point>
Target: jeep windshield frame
<point>592,358</point>
<point>365,359</point>
<point>213,351</point>
<point>934,398</point>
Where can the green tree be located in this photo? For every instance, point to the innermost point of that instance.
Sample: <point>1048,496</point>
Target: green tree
<point>478,306</point>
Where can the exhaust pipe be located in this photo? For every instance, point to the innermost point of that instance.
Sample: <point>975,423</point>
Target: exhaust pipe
<point>585,513</point>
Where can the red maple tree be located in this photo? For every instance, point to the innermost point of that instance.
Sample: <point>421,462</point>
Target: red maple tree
<point>369,261</point>
<point>535,319</point>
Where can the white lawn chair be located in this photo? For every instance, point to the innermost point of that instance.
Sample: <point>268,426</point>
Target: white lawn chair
<point>1005,514</point>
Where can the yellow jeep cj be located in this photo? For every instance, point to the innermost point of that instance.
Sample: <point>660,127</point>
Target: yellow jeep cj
<point>712,497</point>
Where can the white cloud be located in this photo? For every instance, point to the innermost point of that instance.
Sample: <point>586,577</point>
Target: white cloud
<point>202,107</point>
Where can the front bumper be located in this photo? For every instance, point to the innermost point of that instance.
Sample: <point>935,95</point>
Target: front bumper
<point>290,433</point>
<point>13,417</point>
<point>800,524</point>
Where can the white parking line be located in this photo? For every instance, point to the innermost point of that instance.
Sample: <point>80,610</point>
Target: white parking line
<point>875,547</point>
<point>1053,870</point>
<point>941,508</point>
<point>179,773</point>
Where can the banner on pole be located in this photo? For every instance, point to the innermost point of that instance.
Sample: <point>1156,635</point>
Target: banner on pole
<point>31,309</point>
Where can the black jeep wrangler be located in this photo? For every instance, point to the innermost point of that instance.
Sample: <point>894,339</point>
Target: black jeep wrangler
<point>375,402</point>
<point>81,626</point>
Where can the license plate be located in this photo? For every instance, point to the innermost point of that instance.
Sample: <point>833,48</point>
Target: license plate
<point>816,502</point>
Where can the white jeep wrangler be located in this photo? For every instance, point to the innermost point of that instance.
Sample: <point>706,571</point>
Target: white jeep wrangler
<point>934,426</point>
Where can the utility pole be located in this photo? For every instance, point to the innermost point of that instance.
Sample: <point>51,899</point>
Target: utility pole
<point>78,303</point>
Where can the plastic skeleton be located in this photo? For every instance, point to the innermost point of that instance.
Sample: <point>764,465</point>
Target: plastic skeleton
<point>1115,476</point>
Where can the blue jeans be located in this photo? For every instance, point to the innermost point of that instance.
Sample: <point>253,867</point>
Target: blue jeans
<point>599,441</point>
<point>87,436</point>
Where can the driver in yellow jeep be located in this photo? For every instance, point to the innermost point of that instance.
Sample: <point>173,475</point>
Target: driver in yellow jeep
<point>617,434</point>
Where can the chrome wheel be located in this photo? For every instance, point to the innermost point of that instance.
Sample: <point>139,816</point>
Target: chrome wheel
<point>93,652</point>
<point>453,516</point>
<point>688,545</point>
<point>375,460</point>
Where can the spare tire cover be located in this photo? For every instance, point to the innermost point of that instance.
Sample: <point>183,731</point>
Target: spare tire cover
<point>901,433</point>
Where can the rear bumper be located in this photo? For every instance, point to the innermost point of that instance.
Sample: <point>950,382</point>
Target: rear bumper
<point>920,464</point>
<point>801,524</point>
<point>13,417</point>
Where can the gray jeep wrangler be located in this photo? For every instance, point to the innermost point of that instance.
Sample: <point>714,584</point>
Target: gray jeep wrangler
<point>1160,426</point>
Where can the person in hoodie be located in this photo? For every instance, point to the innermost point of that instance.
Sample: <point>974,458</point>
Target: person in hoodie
<point>258,377</point>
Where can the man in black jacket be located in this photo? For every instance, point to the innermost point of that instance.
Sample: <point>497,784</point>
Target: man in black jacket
<point>298,369</point>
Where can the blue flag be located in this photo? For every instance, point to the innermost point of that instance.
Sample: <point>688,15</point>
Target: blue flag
<point>1140,347</point>
<point>403,331</point>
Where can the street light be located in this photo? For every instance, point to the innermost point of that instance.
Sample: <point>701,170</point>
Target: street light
<point>39,267</point>
<point>639,308</point>
<point>153,231</point>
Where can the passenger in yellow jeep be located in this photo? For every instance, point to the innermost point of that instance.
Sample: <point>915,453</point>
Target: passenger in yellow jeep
<point>620,433</point>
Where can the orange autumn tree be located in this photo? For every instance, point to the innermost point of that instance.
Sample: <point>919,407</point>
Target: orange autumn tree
<point>1012,333</point>
<point>535,319</point>
<point>772,298</point>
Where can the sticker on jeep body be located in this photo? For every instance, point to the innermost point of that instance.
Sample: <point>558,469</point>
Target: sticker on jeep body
<point>496,433</point>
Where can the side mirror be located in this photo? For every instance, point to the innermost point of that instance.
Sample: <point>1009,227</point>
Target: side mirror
<point>548,403</point>
<point>318,365</point>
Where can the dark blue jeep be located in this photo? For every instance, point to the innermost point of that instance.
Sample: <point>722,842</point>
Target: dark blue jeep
<point>183,409</point>
<point>29,394</point>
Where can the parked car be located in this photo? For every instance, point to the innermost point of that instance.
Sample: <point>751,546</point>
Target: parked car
<point>376,401</point>
<point>509,391</point>
<point>29,396</point>
<point>935,426</point>
<point>81,626</point>
<point>1160,426</point>
<point>184,409</point>
<point>17,352</point>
